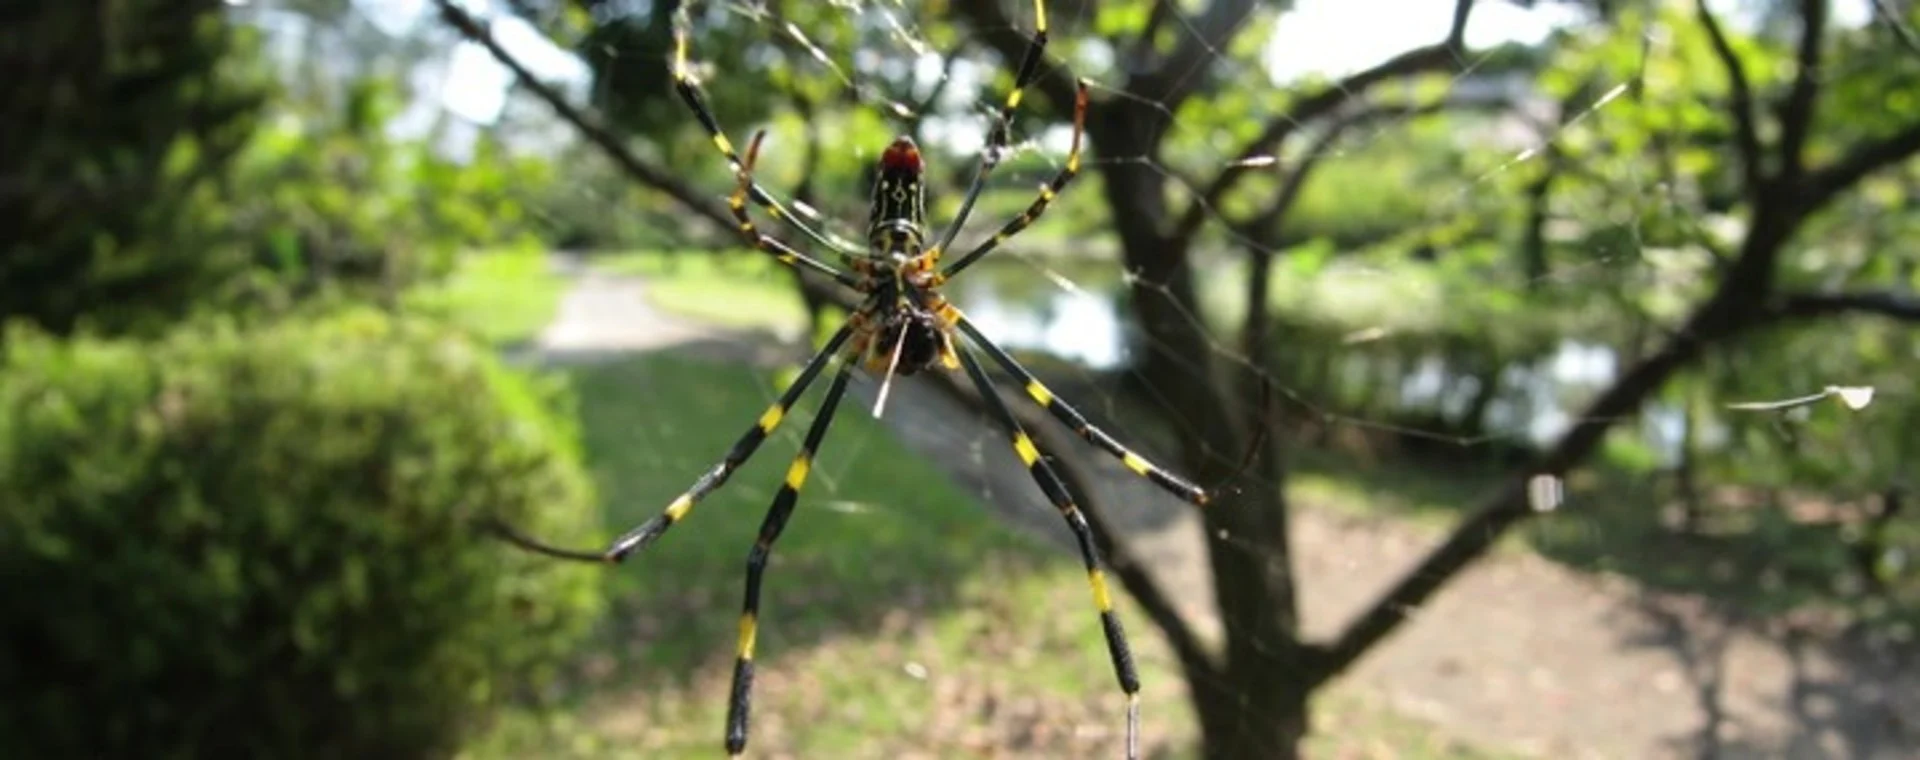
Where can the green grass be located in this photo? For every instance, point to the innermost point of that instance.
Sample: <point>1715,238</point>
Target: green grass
<point>886,570</point>
<point>885,563</point>
<point>1424,496</point>
<point>505,297</point>
<point>738,289</point>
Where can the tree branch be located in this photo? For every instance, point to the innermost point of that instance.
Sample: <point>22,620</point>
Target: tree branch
<point>1903,307</point>
<point>1746,135</point>
<point>1509,505</point>
<point>939,88</point>
<point>1796,112</point>
<point>1142,48</point>
<point>1891,18</point>
<point>1258,226</point>
<point>648,174</point>
<point>1173,80</point>
<point>1728,312</point>
<point>1826,183</point>
<point>1417,60</point>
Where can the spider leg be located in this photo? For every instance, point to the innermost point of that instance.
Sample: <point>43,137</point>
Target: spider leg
<point>743,449</point>
<point>1072,417</point>
<point>1048,192</point>
<point>691,93</point>
<point>997,137</point>
<point>740,704</point>
<point>1043,474</point>
<point>737,203</point>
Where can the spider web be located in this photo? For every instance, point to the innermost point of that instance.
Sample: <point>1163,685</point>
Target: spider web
<point>1058,298</point>
<point>1067,306</point>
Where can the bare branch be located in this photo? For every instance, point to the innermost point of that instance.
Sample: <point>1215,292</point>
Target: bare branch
<point>1903,307</point>
<point>1796,112</point>
<point>1724,315</point>
<point>1260,223</point>
<point>1310,108</point>
<point>932,99</point>
<point>1728,312</point>
<point>1746,135</point>
<point>1175,79</point>
<point>1509,505</point>
<point>648,174</point>
<point>1893,21</point>
<point>1826,183</point>
<point>1142,47</point>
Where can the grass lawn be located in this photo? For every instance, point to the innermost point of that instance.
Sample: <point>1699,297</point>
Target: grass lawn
<point>505,297</point>
<point>899,618</point>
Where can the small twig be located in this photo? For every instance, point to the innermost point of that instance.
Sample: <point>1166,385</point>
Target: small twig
<point>1893,21</point>
<point>1746,135</point>
<point>1796,111</point>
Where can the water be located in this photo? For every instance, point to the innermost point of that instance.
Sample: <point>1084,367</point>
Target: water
<point>1027,306</point>
<point>1072,311</point>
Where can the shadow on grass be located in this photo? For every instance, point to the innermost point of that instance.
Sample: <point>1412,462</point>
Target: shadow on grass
<point>1759,560</point>
<point>1431,496</point>
<point>1828,700</point>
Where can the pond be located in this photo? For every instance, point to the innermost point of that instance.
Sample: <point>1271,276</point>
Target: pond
<point>1071,309</point>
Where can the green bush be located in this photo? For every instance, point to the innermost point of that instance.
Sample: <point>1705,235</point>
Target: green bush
<point>261,542</point>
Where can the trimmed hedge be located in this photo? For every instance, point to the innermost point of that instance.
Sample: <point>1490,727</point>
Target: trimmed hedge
<point>261,542</point>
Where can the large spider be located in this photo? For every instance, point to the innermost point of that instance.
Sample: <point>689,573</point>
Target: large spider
<point>902,326</point>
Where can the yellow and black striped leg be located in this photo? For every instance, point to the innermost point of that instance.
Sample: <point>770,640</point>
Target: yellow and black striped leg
<point>638,538</point>
<point>1072,418</point>
<point>690,93</point>
<point>997,134</point>
<point>1048,192</point>
<point>740,704</point>
<point>1056,492</point>
<point>737,203</point>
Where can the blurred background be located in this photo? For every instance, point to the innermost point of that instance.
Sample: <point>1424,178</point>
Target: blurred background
<point>1552,360</point>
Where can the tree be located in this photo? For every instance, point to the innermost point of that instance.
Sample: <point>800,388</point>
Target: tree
<point>124,117</point>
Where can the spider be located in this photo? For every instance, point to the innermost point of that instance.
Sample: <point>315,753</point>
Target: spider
<point>902,326</point>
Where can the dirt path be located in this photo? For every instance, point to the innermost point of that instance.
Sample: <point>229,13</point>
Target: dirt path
<point>1518,652</point>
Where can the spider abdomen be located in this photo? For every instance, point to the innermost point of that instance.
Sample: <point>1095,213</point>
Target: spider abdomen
<point>919,336</point>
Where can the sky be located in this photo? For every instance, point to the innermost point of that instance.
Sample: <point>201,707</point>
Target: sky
<point>475,86</point>
<point>1330,37</point>
<point>1319,36</point>
<point>1336,37</point>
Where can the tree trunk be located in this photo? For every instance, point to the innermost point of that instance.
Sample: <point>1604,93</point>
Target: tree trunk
<point>1245,715</point>
<point>1255,706</point>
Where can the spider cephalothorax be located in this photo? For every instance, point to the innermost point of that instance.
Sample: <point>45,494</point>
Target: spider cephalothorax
<point>902,326</point>
<point>899,212</point>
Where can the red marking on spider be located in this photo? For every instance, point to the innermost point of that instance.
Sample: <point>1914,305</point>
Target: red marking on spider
<point>902,154</point>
